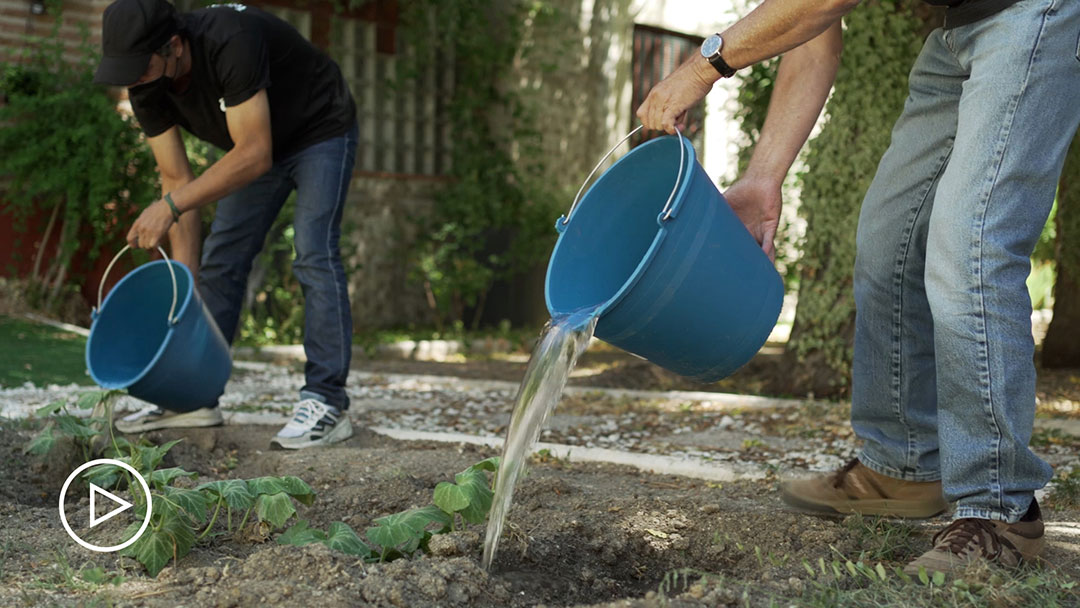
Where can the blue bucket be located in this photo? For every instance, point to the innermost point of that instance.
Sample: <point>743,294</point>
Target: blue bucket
<point>682,284</point>
<point>154,337</point>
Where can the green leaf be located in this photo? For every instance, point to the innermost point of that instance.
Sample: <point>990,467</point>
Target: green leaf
<point>149,457</point>
<point>105,475</point>
<point>75,427</point>
<point>275,508</point>
<point>192,502</point>
<point>234,491</point>
<point>475,484</point>
<point>172,540</point>
<point>48,410</point>
<point>266,485</point>
<point>407,529</point>
<point>923,578</point>
<point>131,530</point>
<point>298,489</point>
<point>939,578</point>
<point>299,534</point>
<point>880,571</point>
<point>163,477</point>
<point>89,400</point>
<point>450,497</point>
<point>488,464</point>
<point>42,443</point>
<point>342,538</point>
<point>121,449</point>
<point>154,549</point>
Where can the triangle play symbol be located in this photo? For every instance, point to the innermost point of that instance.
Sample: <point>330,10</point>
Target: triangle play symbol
<point>94,519</point>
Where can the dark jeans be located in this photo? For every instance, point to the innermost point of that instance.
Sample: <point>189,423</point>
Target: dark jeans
<point>320,175</point>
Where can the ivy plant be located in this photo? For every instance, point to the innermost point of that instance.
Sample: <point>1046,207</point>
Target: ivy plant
<point>404,534</point>
<point>182,516</point>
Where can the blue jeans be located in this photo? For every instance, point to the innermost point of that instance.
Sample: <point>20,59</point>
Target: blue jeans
<point>943,380</point>
<point>320,174</point>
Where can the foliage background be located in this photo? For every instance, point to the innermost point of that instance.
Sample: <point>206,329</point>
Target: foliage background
<point>67,151</point>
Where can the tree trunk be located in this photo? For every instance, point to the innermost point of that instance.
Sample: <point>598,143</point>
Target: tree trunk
<point>1061,348</point>
<point>868,96</point>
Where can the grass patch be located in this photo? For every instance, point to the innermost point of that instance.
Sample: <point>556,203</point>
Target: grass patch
<point>40,354</point>
<point>1065,492</point>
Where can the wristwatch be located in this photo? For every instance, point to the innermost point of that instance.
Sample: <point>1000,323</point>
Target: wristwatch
<point>710,50</point>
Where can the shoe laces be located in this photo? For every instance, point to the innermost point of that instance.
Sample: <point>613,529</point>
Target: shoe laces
<point>308,409</point>
<point>838,478</point>
<point>969,534</point>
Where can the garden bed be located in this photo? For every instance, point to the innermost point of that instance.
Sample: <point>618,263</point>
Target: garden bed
<point>578,535</point>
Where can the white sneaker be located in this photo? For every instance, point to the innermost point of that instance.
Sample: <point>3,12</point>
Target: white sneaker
<point>154,418</point>
<point>313,423</point>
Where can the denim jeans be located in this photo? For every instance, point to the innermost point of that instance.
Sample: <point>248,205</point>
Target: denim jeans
<point>943,380</point>
<point>320,174</point>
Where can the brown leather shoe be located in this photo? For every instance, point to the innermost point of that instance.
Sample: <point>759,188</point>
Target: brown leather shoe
<point>969,540</point>
<point>857,489</point>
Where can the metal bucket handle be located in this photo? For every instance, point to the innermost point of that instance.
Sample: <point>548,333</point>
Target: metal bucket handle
<point>175,291</point>
<point>666,213</point>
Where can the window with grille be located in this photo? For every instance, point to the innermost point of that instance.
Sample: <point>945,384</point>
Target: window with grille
<point>300,19</point>
<point>403,123</point>
<point>657,52</point>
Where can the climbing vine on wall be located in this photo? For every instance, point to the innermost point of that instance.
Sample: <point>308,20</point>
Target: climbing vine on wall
<point>67,152</point>
<point>493,219</point>
<point>881,42</point>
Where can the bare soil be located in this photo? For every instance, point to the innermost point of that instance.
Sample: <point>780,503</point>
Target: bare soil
<point>578,535</point>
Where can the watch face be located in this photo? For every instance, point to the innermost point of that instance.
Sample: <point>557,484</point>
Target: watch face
<point>711,46</point>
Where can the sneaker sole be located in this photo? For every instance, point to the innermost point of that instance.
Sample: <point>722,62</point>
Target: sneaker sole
<point>197,419</point>
<point>883,507</point>
<point>342,431</point>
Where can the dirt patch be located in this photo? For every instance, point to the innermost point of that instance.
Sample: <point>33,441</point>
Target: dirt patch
<point>577,535</point>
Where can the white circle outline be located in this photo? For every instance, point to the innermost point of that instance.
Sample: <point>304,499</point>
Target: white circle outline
<point>146,492</point>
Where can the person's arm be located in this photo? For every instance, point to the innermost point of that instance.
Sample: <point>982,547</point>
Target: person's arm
<point>175,171</point>
<point>250,157</point>
<point>774,27</point>
<point>803,81</point>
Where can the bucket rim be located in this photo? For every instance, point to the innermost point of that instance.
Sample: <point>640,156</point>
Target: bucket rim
<point>661,232</point>
<point>182,306</point>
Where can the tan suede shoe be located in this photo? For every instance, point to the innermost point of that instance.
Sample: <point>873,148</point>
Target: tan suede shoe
<point>857,489</point>
<point>968,540</point>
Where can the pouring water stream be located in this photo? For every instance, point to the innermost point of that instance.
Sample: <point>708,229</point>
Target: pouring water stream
<point>561,342</point>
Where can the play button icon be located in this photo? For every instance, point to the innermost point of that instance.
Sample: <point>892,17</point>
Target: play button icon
<point>101,499</point>
<point>94,519</point>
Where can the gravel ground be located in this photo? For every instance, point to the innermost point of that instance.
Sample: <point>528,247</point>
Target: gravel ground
<point>775,434</point>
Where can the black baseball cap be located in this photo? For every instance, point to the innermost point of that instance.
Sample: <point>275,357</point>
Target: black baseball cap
<point>131,32</point>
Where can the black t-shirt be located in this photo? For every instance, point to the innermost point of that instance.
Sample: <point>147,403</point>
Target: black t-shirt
<point>237,50</point>
<point>964,12</point>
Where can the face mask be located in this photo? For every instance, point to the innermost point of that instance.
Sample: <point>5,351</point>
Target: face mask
<point>159,85</point>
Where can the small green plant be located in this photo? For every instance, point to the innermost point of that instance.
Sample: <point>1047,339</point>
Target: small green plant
<point>679,579</point>
<point>81,430</point>
<point>181,516</point>
<point>403,534</point>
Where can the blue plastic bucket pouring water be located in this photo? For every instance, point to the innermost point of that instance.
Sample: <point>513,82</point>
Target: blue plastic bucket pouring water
<point>154,337</point>
<point>682,283</point>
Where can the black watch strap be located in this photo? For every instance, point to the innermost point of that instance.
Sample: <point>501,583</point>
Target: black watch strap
<point>721,66</point>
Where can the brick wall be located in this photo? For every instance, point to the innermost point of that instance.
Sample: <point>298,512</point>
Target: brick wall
<point>17,23</point>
